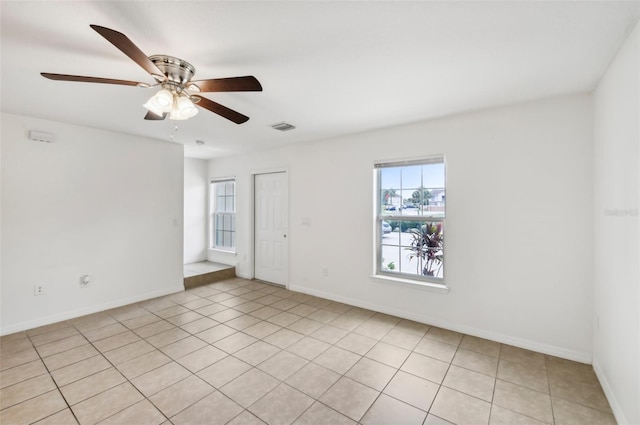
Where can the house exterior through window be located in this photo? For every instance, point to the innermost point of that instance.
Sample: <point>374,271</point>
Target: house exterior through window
<point>410,219</point>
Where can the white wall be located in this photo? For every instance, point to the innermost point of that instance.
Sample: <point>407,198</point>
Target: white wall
<point>92,202</point>
<point>617,231</point>
<point>195,210</point>
<point>519,202</point>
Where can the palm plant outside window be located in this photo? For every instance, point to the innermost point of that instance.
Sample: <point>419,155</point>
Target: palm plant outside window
<point>410,219</point>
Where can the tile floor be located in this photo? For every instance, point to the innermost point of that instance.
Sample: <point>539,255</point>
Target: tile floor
<point>243,353</point>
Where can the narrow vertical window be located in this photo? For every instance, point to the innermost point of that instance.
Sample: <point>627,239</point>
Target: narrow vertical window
<point>410,218</point>
<point>223,214</point>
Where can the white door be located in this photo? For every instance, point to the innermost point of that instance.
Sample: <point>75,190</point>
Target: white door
<point>271,207</point>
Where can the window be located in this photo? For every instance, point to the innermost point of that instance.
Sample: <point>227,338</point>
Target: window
<point>410,218</point>
<point>223,214</point>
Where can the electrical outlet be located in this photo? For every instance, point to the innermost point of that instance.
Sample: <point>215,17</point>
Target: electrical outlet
<point>325,272</point>
<point>38,289</point>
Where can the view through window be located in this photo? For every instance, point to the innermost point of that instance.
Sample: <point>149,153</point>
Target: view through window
<point>223,216</point>
<point>410,218</point>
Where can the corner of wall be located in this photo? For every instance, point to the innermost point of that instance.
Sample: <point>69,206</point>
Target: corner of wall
<point>616,287</point>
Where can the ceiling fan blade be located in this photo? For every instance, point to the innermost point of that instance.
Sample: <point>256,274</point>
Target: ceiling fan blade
<point>128,48</point>
<point>248,83</point>
<point>153,117</point>
<point>82,79</point>
<point>223,111</point>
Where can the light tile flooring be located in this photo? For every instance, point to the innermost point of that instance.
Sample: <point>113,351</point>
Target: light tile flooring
<point>242,353</point>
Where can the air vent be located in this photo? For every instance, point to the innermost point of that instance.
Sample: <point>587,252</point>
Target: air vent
<point>283,126</point>
<point>40,136</point>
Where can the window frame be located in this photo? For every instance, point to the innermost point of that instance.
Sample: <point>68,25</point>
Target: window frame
<point>214,214</point>
<point>380,216</point>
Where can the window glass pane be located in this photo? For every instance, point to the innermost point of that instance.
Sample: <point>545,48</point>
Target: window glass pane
<point>227,239</point>
<point>411,177</point>
<point>233,223</point>
<point>433,175</point>
<point>436,205</point>
<point>390,259</point>
<point>405,194</point>
<point>390,177</point>
<point>219,238</point>
<point>411,266</point>
<point>233,239</point>
<point>391,201</point>
<point>227,222</point>
<point>389,230</point>
<point>418,197</point>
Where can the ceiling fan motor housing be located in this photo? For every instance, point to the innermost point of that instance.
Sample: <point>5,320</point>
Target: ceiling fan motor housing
<point>174,69</point>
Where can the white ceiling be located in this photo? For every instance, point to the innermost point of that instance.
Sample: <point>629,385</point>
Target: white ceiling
<point>329,68</point>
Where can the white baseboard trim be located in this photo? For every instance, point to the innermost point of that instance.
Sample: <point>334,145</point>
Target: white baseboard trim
<point>194,260</point>
<point>608,392</point>
<point>48,320</point>
<point>582,357</point>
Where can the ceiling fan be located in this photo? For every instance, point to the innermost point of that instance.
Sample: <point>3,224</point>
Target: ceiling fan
<point>178,95</point>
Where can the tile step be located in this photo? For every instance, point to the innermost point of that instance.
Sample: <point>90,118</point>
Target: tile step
<point>210,277</point>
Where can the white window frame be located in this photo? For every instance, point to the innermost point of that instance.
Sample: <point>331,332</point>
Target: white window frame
<point>214,214</point>
<point>380,269</point>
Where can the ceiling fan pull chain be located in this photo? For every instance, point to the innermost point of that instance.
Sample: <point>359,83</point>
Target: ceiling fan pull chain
<point>175,130</point>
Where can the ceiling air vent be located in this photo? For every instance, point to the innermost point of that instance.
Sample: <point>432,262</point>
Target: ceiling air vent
<point>283,126</point>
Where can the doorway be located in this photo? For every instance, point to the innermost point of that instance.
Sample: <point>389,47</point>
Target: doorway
<point>271,258</point>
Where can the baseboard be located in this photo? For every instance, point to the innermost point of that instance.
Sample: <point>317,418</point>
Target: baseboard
<point>243,275</point>
<point>608,392</point>
<point>23,326</point>
<point>194,260</point>
<point>564,353</point>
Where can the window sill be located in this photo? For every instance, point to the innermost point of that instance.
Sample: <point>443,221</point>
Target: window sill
<point>431,287</point>
<point>223,251</point>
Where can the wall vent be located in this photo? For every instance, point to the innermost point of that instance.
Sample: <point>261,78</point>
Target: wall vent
<point>40,136</point>
<point>283,126</point>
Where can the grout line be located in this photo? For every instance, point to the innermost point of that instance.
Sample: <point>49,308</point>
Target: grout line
<point>54,382</point>
<point>546,369</point>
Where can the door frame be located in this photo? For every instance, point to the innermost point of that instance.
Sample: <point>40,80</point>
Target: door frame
<point>252,218</point>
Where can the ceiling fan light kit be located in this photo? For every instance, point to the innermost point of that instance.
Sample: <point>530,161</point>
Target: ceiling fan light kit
<point>184,108</point>
<point>178,105</point>
<point>175,98</point>
<point>160,102</point>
